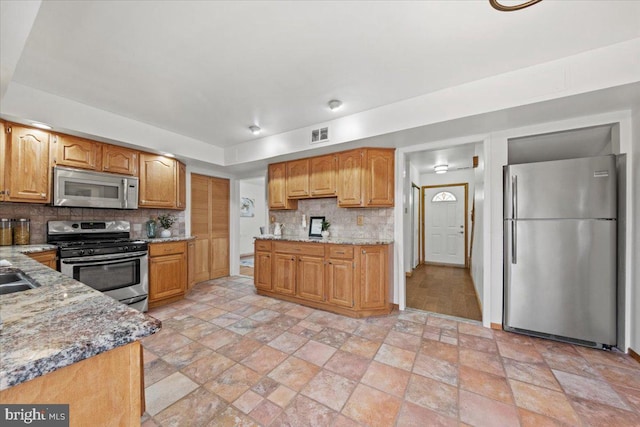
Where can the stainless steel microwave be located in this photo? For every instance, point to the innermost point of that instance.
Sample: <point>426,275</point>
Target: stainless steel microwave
<point>88,189</point>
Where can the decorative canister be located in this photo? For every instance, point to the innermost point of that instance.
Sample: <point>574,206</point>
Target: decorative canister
<point>6,236</point>
<point>21,232</point>
<point>151,228</point>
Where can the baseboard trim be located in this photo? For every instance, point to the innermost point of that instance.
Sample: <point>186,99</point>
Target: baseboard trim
<point>496,326</point>
<point>634,355</point>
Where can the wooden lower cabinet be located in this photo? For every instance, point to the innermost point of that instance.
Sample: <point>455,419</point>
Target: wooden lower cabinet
<point>104,390</point>
<point>48,258</point>
<point>167,272</point>
<point>348,279</point>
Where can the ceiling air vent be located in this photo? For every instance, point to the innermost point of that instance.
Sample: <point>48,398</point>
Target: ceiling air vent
<point>319,135</point>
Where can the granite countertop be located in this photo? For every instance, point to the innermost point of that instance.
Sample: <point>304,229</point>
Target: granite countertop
<point>59,323</point>
<point>168,239</point>
<point>333,240</point>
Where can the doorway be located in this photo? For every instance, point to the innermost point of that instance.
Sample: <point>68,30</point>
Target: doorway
<point>253,217</point>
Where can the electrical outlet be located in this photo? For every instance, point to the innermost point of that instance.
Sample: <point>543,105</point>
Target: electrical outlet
<point>273,219</point>
<point>360,220</point>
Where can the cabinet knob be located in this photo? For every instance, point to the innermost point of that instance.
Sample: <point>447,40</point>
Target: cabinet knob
<point>43,196</point>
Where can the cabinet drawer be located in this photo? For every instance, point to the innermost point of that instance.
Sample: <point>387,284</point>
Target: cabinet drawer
<point>263,245</point>
<point>340,251</point>
<point>158,249</point>
<point>299,248</point>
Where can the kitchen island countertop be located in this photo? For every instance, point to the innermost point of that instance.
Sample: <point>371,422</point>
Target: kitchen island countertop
<point>59,323</point>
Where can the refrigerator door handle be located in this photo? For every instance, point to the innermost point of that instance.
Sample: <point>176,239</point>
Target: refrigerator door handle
<point>514,243</point>
<point>514,197</point>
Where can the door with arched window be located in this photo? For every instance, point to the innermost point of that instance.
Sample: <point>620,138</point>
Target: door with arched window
<point>445,230</point>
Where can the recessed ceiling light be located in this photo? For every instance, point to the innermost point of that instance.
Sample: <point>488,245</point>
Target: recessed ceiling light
<point>441,168</point>
<point>335,104</point>
<point>41,125</point>
<point>255,129</point>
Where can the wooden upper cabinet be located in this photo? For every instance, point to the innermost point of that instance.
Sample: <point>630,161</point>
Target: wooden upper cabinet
<point>26,167</point>
<point>298,179</point>
<point>350,178</point>
<point>157,181</point>
<point>76,152</point>
<point>3,146</point>
<point>278,188</point>
<point>323,174</point>
<point>120,160</point>
<point>379,177</point>
<point>181,187</point>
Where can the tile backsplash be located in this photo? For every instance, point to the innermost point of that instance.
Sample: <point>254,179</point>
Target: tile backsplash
<point>40,214</point>
<point>378,222</point>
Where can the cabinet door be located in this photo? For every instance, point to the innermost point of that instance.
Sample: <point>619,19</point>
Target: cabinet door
<point>373,277</point>
<point>48,258</point>
<point>167,276</point>
<point>3,165</point>
<point>219,220</point>
<point>157,181</point>
<point>310,278</point>
<point>278,188</point>
<point>27,160</point>
<point>323,171</point>
<point>191,264</point>
<point>350,178</point>
<point>77,152</point>
<point>298,179</point>
<point>340,282</point>
<point>181,187</point>
<point>119,160</point>
<point>379,177</point>
<point>284,275</point>
<point>262,272</point>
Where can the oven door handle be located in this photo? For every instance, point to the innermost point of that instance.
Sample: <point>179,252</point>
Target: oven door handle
<point>99,260</point>
<point>134,300</point>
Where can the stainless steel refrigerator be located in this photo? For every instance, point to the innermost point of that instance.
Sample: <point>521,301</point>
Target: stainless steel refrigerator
<point>560,250</point>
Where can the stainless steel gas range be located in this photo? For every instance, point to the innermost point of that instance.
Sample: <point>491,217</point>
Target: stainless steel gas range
<point>102,255</point>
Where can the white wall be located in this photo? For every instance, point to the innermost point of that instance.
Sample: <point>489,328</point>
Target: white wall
<point>250,226</point>
<point>477,252</point>
<point>635,262</point>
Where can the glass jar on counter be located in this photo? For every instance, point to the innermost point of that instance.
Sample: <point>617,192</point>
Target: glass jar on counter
<point>21,232</point>
<point>6,232</point>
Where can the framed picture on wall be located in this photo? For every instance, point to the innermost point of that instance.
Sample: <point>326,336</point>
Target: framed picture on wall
<point>315,226</point>
<point>247,207</point>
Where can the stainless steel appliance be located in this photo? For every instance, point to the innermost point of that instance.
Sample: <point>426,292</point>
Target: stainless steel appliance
<point>560,250</point>
<point>80,188</point>
<point>100,254</point>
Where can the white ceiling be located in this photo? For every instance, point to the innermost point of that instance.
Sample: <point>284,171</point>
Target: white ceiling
<point>458,157</point>
<point>207,70</point>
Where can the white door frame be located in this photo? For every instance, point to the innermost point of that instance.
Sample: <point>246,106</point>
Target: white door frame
<point>466,207</point>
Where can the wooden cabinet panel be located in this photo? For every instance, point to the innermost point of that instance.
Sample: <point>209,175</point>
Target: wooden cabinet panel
<point>323,174</point>
<point>262,246</point>
<point>373,277</point>
<point>181,187</point>
<point>284,274</point>
<point>262,272</point>
<point>157,181</point>
<point>48,258</point>
<point>27,172</point>
<point>310,278</point>
<point>340,282</point>
<point>120,160</point>
<point>3,165</point>
<point>379,177</point>
<point>296,248</point>
<point>340,251</point>
<point>202,267</point>
<point>167,276</point>
<point>297,181</point>
<point>77,152</point>
<point>191,265</point>
<point>277,186</point>
<point>168,248</point>
<point>219,257</point>
<point>350,178</point>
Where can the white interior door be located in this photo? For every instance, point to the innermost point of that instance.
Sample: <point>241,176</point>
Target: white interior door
<point>444,225</point>
<point>415,232</point>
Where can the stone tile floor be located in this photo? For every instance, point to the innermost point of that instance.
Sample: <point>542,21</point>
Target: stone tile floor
<point>228,357</point>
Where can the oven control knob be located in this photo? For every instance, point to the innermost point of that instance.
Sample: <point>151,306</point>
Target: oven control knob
<point>91,251</point>
<point>81,251</point>
<point>121,248</point>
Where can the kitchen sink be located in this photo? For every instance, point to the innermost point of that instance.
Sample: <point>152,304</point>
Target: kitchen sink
<point>15,281</point>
